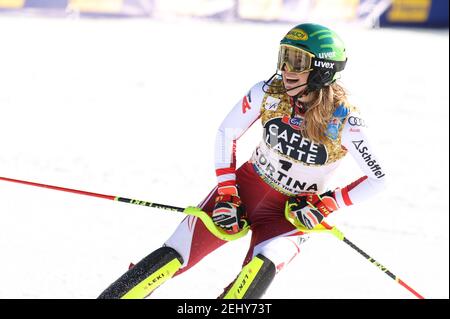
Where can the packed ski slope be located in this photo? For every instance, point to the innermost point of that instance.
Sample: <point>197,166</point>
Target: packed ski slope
<point>131,108</point>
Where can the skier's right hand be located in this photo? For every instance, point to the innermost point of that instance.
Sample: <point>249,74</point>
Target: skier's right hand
<point>229,212</point>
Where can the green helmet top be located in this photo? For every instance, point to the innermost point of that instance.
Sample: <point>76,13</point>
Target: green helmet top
<point>318,40</point>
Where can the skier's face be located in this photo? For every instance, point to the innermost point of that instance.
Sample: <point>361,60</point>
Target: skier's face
<point>292,80</point>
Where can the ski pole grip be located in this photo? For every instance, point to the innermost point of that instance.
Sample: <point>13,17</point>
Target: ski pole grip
<point>327,226</point>
<point>209,224</point>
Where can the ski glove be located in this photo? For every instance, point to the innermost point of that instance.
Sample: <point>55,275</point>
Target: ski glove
<point>308,210</point>
<point>228,213</point>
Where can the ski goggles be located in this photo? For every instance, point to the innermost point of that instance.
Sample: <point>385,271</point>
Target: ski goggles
<point>293,59</point>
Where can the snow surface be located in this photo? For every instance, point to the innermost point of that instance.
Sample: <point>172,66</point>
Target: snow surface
<point>131,107</point>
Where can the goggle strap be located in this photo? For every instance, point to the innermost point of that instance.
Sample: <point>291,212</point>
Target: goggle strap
<point>336,66</point>
<point>340,65</point>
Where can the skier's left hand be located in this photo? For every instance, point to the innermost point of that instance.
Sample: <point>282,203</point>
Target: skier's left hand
<point>310,209</point>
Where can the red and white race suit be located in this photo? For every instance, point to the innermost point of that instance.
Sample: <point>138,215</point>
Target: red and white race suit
<point>283,164</point>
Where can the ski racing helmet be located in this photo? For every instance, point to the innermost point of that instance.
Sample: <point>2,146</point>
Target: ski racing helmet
<point>312,48</point>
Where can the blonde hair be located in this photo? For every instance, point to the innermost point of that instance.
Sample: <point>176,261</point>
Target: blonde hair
<point>320,110</point>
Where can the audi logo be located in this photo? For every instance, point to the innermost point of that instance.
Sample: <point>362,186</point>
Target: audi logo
<point>356,121</point>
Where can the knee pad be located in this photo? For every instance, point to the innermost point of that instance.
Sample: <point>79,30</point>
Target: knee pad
<point>145,276</point>
<point>253,280</point>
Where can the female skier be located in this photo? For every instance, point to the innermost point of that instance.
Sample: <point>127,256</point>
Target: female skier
<point>308,127</point>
